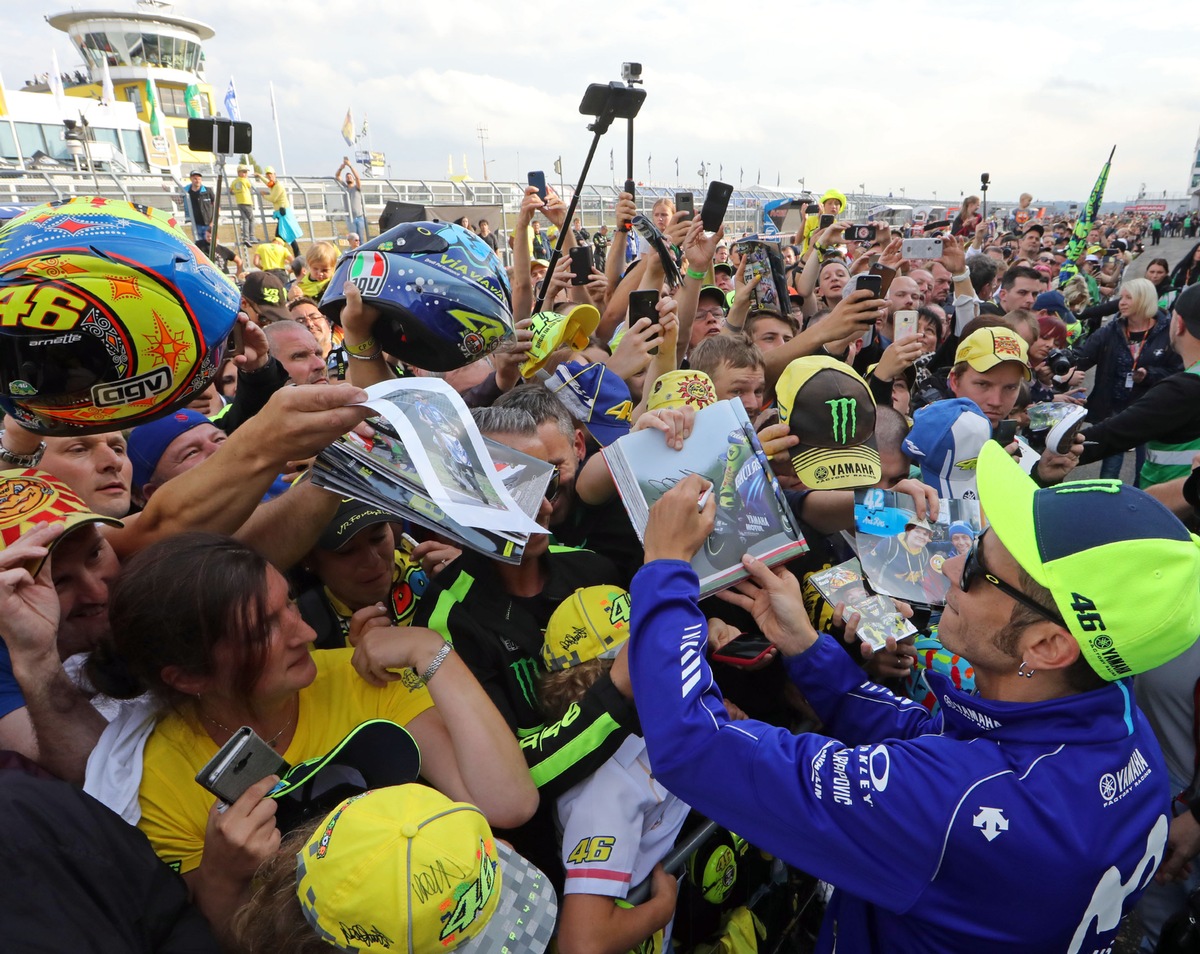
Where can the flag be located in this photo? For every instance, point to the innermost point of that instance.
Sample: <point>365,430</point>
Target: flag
<point>192,97</point>
<point>231,103</point>
<point>107,95</point>
<point>741,174</point>
<point>558,166</point>
<point>55,83</point>
<point>274,109</point>
<point>759,180</point>
<point>348,129</point>
<point>611,167</point>
<point>777,180</point>
<point>364,127</point>
<point>1078,243</point>
<point>152,109</point>
<point>676,167</point>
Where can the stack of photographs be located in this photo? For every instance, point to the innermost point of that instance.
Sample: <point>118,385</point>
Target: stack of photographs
<point>427,462</point>
<point>879,616</point>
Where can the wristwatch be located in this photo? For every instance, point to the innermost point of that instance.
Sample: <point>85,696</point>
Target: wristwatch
<point>26,461</point>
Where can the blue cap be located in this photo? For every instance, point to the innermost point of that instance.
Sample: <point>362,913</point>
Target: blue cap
<point>945,440</point>
<point>148,442</point>
<point>960,526</point>
<point>596,398</point>
<point>1053,301</point>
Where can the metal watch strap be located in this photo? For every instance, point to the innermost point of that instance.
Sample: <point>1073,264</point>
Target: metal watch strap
<point>437,662</point>
<point>26,461</point>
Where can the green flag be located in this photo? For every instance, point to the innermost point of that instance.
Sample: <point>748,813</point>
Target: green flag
<point>192,95</point>
<point>1078,244</point>
<point>152,109</point>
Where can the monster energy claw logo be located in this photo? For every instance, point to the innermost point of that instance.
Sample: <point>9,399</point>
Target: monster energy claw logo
<point>526,672</point>
<point>845,418</point>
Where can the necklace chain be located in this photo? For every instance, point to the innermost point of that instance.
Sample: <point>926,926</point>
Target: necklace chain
<point>271,741</point>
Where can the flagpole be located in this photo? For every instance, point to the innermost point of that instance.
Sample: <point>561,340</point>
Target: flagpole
<point>278,135</point>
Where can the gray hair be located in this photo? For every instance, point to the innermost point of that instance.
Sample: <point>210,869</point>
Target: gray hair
<point>504,420</point>
<point>540,405</point>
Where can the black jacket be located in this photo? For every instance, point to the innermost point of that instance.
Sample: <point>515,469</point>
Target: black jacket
<point>1108,351</point>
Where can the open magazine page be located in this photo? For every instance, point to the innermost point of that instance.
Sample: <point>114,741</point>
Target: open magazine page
<point>880,617</point>
<point>902,556</point>
<point>448,452</point>
<point>524,477</point>
<point>348,476</point>
<point>724,450</point>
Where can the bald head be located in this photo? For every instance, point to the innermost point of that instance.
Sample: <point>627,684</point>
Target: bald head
<point>904,295</point>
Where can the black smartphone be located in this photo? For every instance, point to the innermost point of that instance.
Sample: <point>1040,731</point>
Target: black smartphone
<point>744,650</point>
<point>581,264</point>
<point>861,233</point>
<point>825,221</point>
<point>643,304</point>
<point>631,187</point>
<point>716,201</point>
<point>238,764</point>
<point>872,283</point>
<point>1005,433</point>
<point>685,202</point>
<point>538,179</point>
<point>235,343</point>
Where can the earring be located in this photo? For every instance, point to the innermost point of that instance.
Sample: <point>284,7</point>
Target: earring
<point>1021,670</point>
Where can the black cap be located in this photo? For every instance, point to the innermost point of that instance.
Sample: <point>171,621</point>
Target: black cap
<point>351,517</point>
<point>1187,306</point>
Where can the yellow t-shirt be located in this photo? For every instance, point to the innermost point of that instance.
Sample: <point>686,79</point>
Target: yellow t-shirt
<point>175,807</point>
<point>242,190</point>
<point>273,255</point>
<point>278,197</point>
<point>313,289</point>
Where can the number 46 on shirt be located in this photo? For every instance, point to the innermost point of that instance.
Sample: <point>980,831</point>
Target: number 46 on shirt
<point>596,848</point>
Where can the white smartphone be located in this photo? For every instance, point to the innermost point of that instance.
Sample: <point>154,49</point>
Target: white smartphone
<point>906,324</point>
<point>921,248</point>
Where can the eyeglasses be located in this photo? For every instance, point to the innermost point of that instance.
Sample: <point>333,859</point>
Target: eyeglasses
<point>552,487</point>
<point>973,569</point>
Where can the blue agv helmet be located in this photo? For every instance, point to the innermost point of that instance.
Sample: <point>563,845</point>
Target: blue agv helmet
<point>443,294</point>
<point>109,316</point>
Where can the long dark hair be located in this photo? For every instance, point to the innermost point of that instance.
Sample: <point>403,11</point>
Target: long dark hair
<point>173,604</point>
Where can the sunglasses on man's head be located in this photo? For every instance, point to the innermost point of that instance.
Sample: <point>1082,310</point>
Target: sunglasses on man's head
<point>974,569</point>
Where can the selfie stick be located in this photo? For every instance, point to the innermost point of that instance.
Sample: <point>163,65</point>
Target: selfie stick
<point>674,861</point>
<point>983,187</point>
<point>612,107</point>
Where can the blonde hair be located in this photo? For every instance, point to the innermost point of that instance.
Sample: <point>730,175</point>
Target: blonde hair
<point>1143,295</point>
<point>272,919</point>
<point>557,690</point>
<point>322,253</point>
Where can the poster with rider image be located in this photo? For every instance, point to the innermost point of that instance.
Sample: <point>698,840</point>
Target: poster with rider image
<point>752,515</point>
<point>441,441</point>
<point>902,555</point>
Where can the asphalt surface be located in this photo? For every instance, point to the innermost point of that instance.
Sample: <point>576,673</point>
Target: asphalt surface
<point>1172,249</point>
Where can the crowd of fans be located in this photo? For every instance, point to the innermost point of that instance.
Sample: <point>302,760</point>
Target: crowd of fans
<point>171,583</point>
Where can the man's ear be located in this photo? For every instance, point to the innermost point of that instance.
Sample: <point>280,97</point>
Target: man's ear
<point>580,444</point>
<point>1049,646</point>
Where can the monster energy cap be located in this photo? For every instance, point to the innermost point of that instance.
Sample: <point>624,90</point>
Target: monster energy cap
<point>1079,540</point>
<point>828,406</point>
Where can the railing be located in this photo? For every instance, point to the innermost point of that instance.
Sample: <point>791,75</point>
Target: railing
<point>320,202</point>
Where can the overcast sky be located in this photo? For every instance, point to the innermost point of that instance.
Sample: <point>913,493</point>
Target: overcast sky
<point>919,95</point>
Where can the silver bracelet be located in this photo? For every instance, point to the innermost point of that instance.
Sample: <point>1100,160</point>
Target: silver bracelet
<point>26,461</point>
<point>437,662</point>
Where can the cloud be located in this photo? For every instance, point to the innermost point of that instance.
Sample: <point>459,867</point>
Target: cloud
<point>923,95</point>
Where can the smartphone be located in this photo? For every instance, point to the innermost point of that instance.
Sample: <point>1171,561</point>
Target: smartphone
<point>1005,433</point>
<point>744,650</point>
<point>906,324</point>
<point>825,221</point>
<point>235,343</point>
<point>860,281</point>
<point>685,202</point>
<point>861,233</point>
<point>716,201</point>
<point>765,259</point>
<point>538,179</point>
<point>921,248</point>
<point>581,264</point>
<point>936,226</point>
<point>886,273</point>
<point>238,764</point>
<point>643,304</point>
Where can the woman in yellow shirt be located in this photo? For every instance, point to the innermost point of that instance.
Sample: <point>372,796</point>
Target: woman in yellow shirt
<point>207,625</point>
<point>286,226</point>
